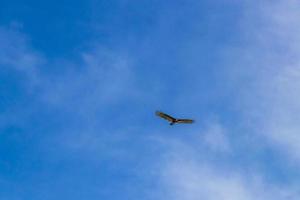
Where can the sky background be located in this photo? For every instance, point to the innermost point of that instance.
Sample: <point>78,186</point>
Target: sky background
<point>80,82</point>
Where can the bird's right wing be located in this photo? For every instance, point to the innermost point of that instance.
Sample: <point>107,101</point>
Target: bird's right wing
<point>165,116</point>
<point>186,121</point>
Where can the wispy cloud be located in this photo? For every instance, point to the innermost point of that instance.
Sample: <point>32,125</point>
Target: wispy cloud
<point>101,78</point>
<point>100,81</point>
<point>264,72</point>
<point>17,57</point>
<point>198,170</point>
<point>190,179</point>
<point>216,139</point>
<point>17,54</point>
<point>271,63</point>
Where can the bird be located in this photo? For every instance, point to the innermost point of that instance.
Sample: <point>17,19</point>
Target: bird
<point>173,120</point>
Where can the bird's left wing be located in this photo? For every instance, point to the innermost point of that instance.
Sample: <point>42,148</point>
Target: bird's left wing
<point>165,116</point>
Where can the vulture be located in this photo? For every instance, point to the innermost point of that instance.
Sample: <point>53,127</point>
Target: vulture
<point>173,120</point>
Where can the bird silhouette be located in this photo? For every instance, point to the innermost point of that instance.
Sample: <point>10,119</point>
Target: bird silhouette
<point>173,120</point>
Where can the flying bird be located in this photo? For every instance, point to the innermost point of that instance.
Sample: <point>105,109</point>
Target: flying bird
<point>173,120</point>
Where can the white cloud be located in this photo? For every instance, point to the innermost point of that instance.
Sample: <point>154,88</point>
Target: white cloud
<point>78,92</point>
<point>216,139</point>
<point>102,77</point>
<point>82,93</point>
<point>97,76</point>
<point>17,54</point>
<point>194,180</point>
<point>210,137</point>
<point>187,176</point>
<point>266,72</point>
<point>280,101</point>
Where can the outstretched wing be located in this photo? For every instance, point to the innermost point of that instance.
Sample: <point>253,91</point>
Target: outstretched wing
<point>186,121</point>
<point>165,116</point>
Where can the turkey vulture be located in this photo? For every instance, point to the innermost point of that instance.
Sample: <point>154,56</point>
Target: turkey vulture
<point>173,120</point>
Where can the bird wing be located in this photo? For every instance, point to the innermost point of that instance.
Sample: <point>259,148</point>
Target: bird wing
<point>186,121</point>
<point>165,116</point>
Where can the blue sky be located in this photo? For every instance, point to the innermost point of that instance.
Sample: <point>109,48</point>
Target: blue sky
<point>80,82</point>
